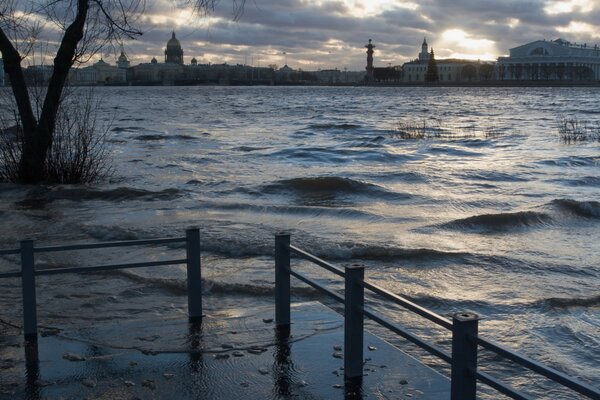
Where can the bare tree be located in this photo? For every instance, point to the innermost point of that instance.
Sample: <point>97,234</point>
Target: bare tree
<point>84,26</point>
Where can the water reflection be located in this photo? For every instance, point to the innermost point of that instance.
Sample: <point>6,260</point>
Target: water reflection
<point>282,368</point>
<point>195,341</point>
<point>32,369</point>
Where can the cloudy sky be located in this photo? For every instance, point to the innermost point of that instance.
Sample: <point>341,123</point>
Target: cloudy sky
<point>332,33</point>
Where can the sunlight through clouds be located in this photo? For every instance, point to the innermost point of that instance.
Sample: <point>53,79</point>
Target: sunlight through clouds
<point>360,8</point>
<point>561,7</point>
<point>580,28</point>
<point>464,46</point>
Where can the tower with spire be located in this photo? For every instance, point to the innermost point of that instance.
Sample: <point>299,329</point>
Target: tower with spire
<point>424,54</point>
<point>370,68</point>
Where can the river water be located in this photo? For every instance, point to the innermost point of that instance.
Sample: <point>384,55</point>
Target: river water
<point>489,212</point>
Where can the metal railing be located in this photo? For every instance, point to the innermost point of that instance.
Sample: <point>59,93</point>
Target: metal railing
<point>28,271</point>
<point>464,327</point>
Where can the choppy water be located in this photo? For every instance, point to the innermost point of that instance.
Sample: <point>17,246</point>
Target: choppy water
<point>494,215</point>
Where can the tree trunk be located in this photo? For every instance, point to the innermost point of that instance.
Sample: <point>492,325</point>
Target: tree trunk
<point>12,65</point>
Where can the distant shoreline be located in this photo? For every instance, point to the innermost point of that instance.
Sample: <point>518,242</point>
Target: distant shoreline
<point>500,84</point>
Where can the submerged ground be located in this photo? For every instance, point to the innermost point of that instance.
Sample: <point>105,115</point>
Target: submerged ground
<point>489,211</point>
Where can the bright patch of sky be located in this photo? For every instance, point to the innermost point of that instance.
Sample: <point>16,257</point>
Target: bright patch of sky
<point>561,7</point>
<point>464,45</point>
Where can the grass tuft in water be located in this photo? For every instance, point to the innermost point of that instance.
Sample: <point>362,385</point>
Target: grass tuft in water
<point>434,128</point>
<point>572,130</point>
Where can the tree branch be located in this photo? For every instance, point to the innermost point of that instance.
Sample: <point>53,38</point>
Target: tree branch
<point>12,65</point>
<point>62,64</point>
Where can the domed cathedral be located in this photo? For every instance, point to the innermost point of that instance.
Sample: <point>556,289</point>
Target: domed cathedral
<point>123,61</point>
<point>174,52</point>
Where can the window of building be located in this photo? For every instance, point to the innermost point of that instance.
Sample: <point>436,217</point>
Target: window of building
<point>539,51</point>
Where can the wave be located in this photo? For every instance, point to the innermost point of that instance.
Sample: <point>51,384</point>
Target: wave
<point>179,286</point>
<point>501,221</point>
<point>333,126</point>
<point>584,181</point>
<point>333,252</point>
<point>572,161</point>
<point>157,137</point>
<point>43,196</point>
<point>330,185</point>
<point>313,211</point>
<point>441,303</point>
<point>493,177</point>
<point>568,302</point>
<point>247,149</point>
<point>586,209</point>
<point>387,253</point>
<point>126,129</point>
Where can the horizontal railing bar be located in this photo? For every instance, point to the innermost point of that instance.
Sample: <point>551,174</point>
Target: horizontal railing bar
<point>314,284</point>
<point>422,311</point>
<point>550,373</point>
<point>10,275</point>
<point>85,246</point>
<point>9,252</point>
<point>318,261</point>
<point>56,271</point>
<point>501,387</point>
<point>409,336</point>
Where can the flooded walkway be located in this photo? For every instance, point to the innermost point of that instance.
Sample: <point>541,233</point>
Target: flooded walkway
<point>235,354</point>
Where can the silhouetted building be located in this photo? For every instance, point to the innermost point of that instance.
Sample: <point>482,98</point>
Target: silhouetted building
<point>174,52</point>
<point>370,69</point>
<point>330,76</point>
<point>123,61</point>
<point>551,60</point>
<point>448,70</point>
<point>424,54</point>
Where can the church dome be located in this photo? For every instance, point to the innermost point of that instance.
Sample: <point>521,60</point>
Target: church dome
<point>154,60</point>
<point>173,42</point>
<point>101,63</point>
<point>174,52</point>
<point>122,57</point>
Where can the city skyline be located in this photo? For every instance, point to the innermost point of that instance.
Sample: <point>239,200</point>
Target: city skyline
<point>331,34</point>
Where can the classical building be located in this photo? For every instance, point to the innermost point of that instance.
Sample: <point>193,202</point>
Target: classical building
<point>174,52</point>
<point>449,69</point>
<point>101,73</point>
<point>551,60</point>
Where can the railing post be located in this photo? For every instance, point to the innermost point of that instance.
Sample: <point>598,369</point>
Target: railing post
<point>282,280</point>
<point>464,356</point>
<point>353,321</point>
<point>28,288</point>
<point>194,274</point>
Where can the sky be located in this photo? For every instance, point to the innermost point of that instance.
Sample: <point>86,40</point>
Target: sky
<point>322,34</point>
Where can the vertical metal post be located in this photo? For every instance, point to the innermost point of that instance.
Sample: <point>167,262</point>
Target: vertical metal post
<point>282,280</point>
<point>194,274</point>
<point>464,356</point>
<point>353,321</point>
<point>28,287</point>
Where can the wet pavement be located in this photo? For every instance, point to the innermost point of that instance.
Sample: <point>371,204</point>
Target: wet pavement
<point>234,354</point>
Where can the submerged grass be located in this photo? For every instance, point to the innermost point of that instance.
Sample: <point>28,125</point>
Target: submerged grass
<point>572,130</point>
<point>435,128</point>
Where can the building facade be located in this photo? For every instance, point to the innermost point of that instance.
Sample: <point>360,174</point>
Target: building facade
<point>449,69</point>
<point>551,60</point>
